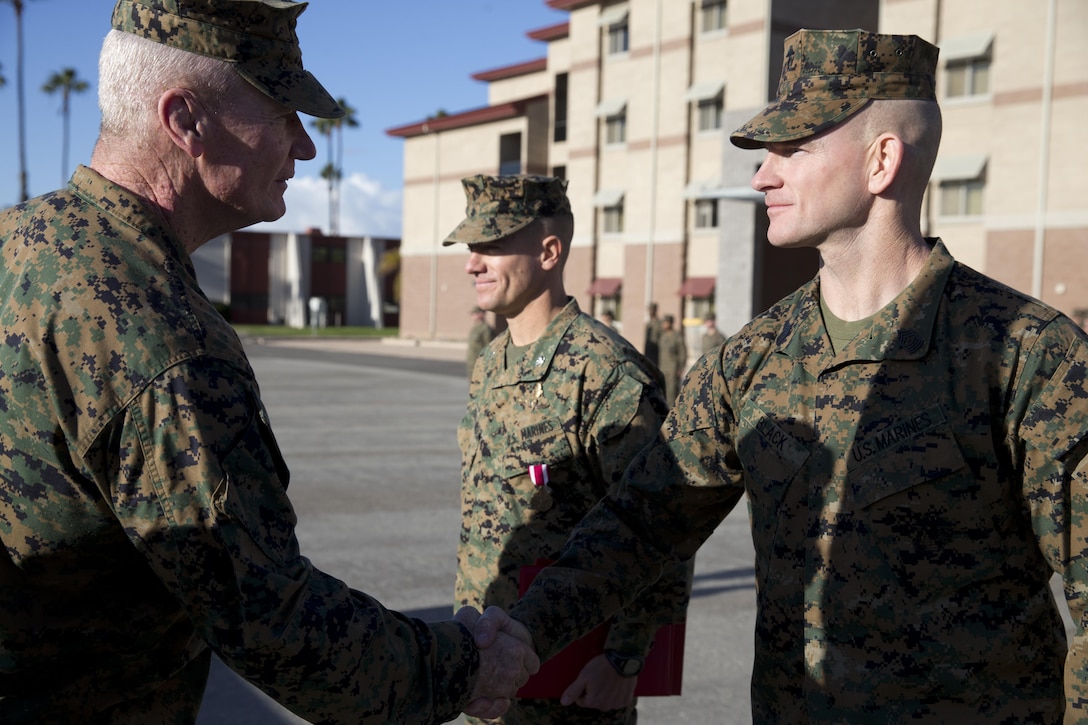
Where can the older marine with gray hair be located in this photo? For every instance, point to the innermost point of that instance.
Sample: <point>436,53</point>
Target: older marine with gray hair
<point>143,507</point>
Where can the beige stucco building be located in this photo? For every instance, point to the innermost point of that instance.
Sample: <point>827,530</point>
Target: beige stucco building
<point>633,102</point>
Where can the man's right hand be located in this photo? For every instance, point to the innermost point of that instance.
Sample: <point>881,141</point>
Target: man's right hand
<point>507,660</point>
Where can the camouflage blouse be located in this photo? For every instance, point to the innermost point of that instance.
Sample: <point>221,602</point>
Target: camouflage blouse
<point>143,505</point>
<point>910,498</point>
<point>581,401</point>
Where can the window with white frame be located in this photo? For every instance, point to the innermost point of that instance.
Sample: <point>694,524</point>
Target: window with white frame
<point>961,184</point>
<point>710,113</point>
<point>614,113</point>
<point>967,65</point>
<point>706,213</point>
<point>712,15</point>
<point>610,204</point>
<point>708,98</point>
<point>613,19</point>
<point>968,78</point>
<point>618,38</point>
<point>962,197</point>
<point>615,129</point>
<point>612,218</point>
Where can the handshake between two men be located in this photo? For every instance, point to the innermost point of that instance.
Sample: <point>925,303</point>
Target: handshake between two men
<point>507,659</point>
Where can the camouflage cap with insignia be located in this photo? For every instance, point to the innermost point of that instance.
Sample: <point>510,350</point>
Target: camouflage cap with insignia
<point>501,205</point>
<point>258,36</point>
<point>829,75</point>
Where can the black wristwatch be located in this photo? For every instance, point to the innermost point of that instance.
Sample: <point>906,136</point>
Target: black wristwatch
<point>626,665</point>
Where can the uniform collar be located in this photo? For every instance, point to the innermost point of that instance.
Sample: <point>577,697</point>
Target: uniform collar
<point>902,330</point>
<point>536,362</point>
<point>124,206</point>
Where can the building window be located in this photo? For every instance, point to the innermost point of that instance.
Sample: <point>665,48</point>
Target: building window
<point>969,77</point>
<point>510,153</point>
<point>615,129</point>
<point>962,197</point>
<point>617,38</point>
<point>614,113</point>
<point>559,172</point>
<point>610,203</point>
<point>710,113</point>
<point>967,64</point>
<point>560,130</point>
<point>706,213</point>
<point>613,218</point>
<point>713,15</point>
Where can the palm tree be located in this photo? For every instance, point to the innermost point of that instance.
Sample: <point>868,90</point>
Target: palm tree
<point>67,82</point>
<point>324,126</point>
<point>20,95</point>
<point>333,170</point>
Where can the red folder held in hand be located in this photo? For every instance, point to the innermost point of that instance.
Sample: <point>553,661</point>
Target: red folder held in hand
<point>661,675</point>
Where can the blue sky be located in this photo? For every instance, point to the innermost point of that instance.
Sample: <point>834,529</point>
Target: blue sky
<point>395,61</point>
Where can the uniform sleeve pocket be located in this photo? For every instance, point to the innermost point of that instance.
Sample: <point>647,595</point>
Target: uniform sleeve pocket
<point>252,495</point>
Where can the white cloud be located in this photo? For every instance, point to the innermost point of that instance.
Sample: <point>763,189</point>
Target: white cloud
<point>366,208</point>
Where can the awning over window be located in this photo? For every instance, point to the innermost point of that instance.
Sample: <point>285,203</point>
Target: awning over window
<point>698,287</point>
<point>976,45</point>
<point>614,107</point>
<point>702,190</point>
<point>605,287</point>
<point>705,91</point>
<point>613,15</point>
<point>714,190</point>
<point>959,168</point>
<point>608,197</point>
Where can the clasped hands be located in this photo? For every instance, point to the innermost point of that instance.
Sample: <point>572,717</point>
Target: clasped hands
<point>507,659</point>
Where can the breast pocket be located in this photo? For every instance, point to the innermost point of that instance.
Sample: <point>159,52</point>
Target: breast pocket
<point>921,506</point>
<point>541,450</point>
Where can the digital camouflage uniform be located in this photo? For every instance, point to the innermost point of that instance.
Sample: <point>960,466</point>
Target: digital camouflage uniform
<point>909,498</point>
<point>711,339</point>
<point>478,337</point>
<point>143,509</point>
<point>653,340</point>
<point>672,359</point>
<point>582,401</point>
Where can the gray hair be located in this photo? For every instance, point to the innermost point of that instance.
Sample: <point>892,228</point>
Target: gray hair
<point>133,72</point>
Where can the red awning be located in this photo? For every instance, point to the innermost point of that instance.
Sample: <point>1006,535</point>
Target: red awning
<point>698,287</point>
<point>605,287</point>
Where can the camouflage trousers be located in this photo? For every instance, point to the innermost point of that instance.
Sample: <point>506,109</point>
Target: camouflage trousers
<point>550,712</point>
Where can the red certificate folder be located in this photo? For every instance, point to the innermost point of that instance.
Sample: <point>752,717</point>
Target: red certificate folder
<point>661,675</point>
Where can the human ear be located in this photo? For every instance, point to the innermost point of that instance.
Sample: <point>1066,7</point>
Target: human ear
<point>885,161</point>
<point>551,249</point>
<point>182,118</point>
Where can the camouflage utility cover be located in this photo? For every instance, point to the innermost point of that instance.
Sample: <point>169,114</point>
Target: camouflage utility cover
<point>582,401</point>
<point>829,75</point>
<point>257,36</point>
<point>143,506</point>
<point>498,206</point>
<point>909,497</point>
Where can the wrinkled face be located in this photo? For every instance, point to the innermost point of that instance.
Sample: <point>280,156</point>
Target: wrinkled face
<point>507,273</point>
<point>251,147</point>
<point>815,188</point>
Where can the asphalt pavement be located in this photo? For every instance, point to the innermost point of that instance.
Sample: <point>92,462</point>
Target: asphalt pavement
<point>368,429</point>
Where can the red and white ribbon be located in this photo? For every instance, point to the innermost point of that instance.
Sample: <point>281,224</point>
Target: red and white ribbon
<point>538,474</point>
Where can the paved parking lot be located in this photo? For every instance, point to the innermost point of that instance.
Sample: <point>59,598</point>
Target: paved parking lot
<point>369,432</point>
